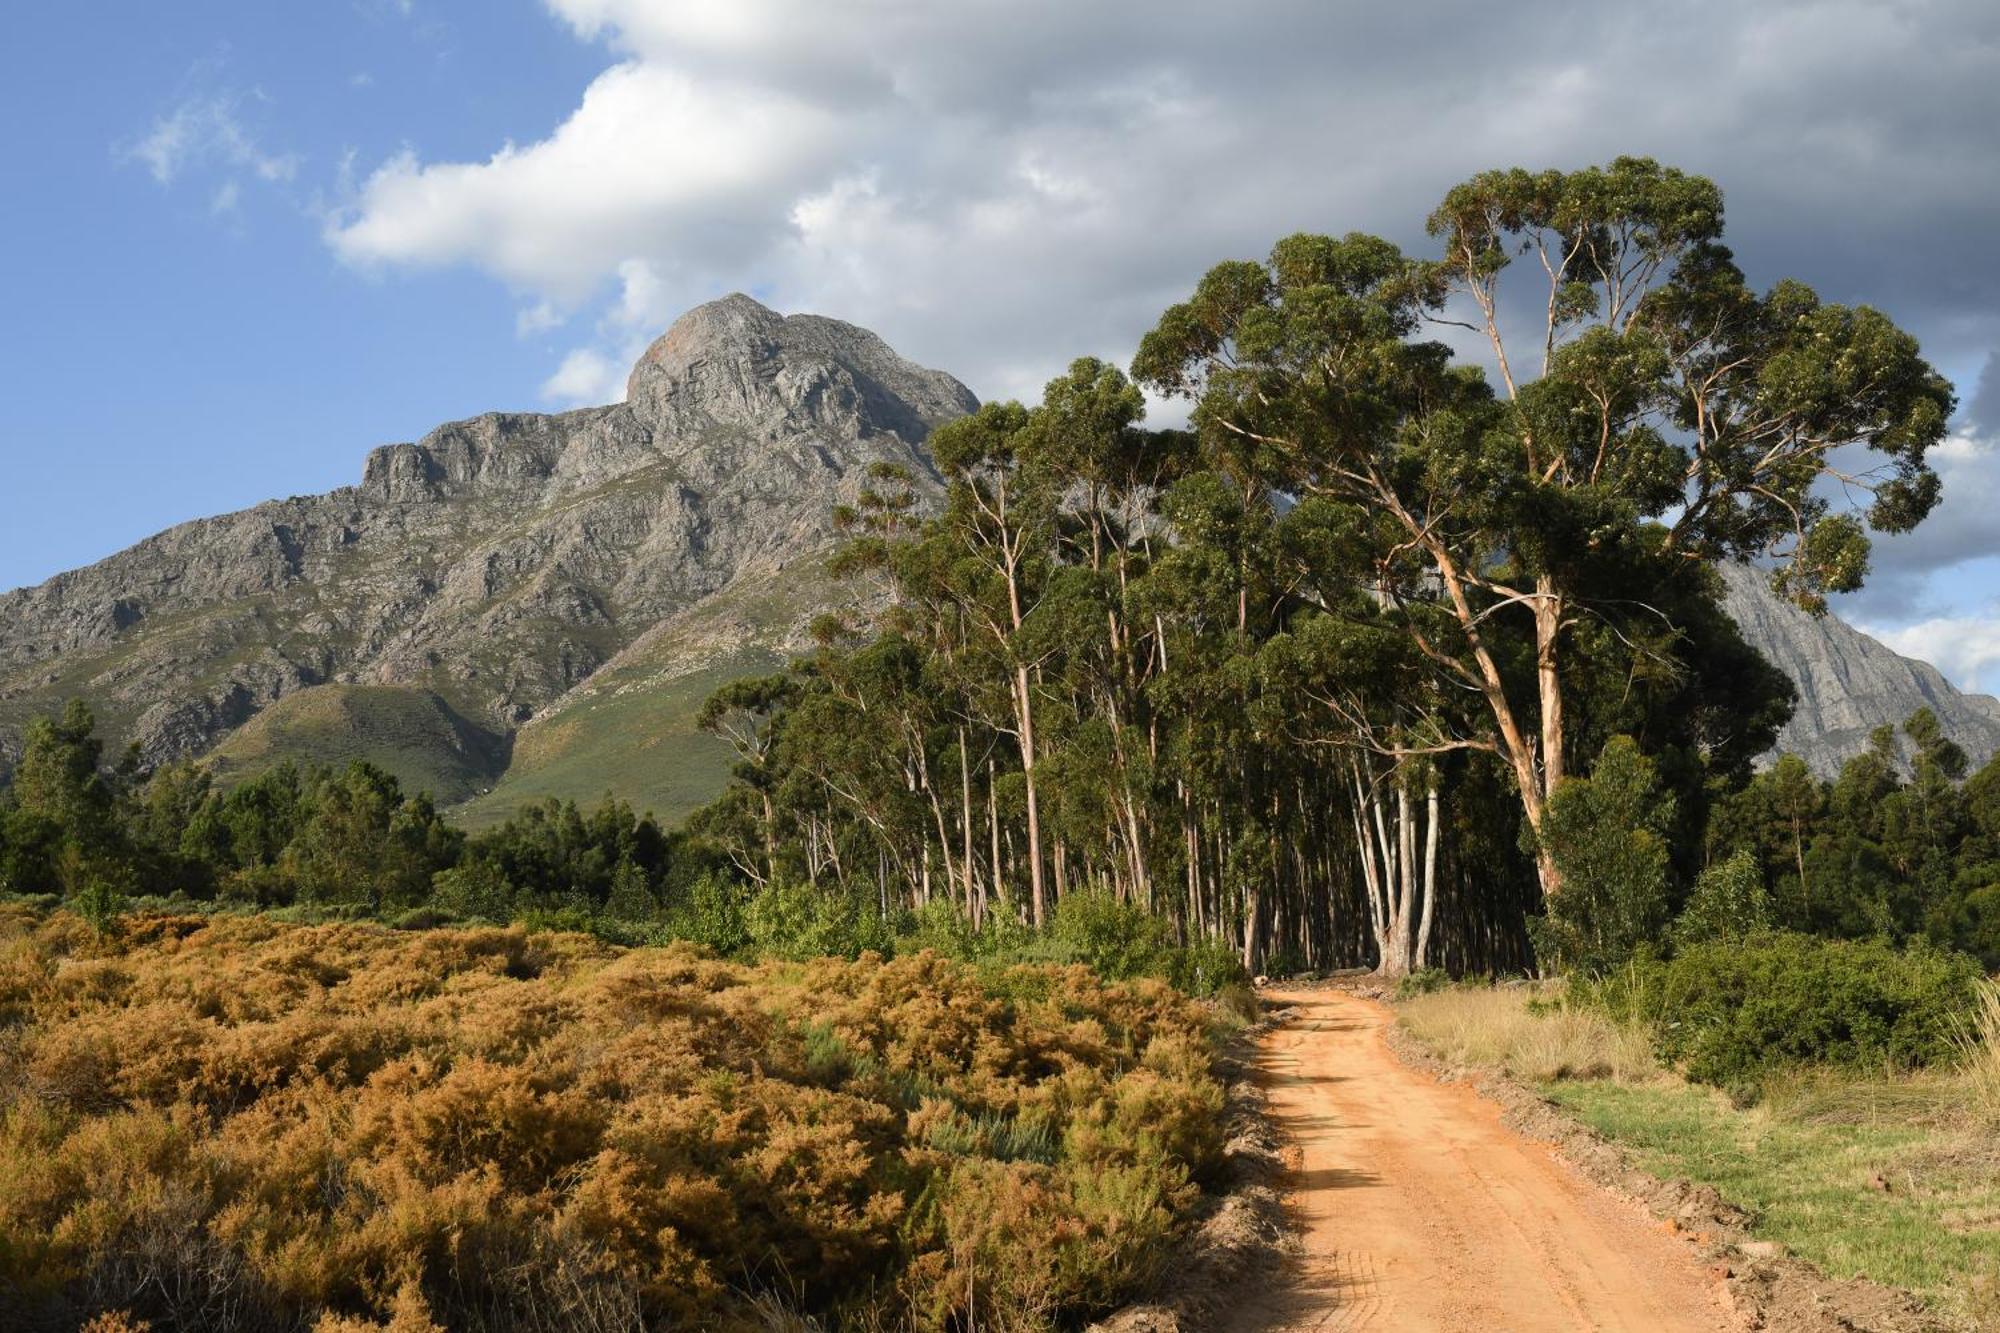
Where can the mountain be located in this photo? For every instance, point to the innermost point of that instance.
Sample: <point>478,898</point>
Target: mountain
<point>525,605</point>
<point>442,616</point>
<point>1848,683</point>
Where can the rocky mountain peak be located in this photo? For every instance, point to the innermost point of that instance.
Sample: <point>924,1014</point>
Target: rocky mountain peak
<point>737,364</point>
<point>491,567</point>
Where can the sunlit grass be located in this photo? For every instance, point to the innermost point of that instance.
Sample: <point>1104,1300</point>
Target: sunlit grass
<point>1863,1179</point>
<point>1533,1037</point>
<point>1894,1178</point>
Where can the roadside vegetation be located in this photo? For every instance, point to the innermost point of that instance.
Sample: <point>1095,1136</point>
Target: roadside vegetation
<point>1867,1158</point>
<point>230,1122</point>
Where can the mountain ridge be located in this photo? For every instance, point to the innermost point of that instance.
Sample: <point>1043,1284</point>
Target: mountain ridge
<point>1848,682</point>
<point>497,562</point>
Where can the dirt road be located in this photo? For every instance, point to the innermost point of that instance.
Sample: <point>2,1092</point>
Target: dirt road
<point>1421,1211</point>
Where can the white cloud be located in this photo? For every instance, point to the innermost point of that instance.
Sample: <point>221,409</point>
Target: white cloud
<point>586,378</point>
<point>226,199</point>
<point>1965,648</point>
<point>207,130</point>
<point>652,160</point>
<point>998,187</point>
<point>538,318</point>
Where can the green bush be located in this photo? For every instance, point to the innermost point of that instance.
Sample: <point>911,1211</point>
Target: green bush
<point>1208,967</point>
<point>798,922</point>
<point>710,914</point>
<point>941,925</point>
<point>1731,1012</point>
<point>1119,940</point>
<point>1423,981</point>
<point>475,889</point>
<point>1607,834</point>
<point>1729,902</point>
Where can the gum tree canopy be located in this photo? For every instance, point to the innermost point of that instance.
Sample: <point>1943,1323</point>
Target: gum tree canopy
<point>1663,415</point>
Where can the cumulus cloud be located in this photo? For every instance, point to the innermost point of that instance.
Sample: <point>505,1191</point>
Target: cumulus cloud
<point>585,377</point>
<point>996,188</point>
<point>1965,648</point>
<point>653,160</point>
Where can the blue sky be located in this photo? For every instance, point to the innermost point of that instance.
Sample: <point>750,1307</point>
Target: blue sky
<point>183,342</point>
<point>247,241</point>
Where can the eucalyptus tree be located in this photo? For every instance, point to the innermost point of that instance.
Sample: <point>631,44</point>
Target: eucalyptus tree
<point>1669,414</point>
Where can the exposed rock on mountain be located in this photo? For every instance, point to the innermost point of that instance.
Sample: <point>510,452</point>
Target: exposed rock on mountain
<point>1848,683</point>
<point>491,567</point>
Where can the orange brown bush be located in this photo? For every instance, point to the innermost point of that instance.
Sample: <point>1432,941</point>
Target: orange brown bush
<point>235,1123</point>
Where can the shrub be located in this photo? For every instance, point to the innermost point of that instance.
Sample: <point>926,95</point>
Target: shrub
<point>1209,968</point>
<point>798,922</point>
<point>236,1123</point>
<point>1120,940</point>
<point>1732,1012</point>
<point>709,914</point>
<point>475,889</point>
<point>1423,981</point>
<point>1729,902</point>
<point>1606,833</point>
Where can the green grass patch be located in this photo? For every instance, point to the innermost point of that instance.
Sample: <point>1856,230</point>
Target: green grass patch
<point>409,733</point>
<point>639,744</point>
<point>1811,1161</point>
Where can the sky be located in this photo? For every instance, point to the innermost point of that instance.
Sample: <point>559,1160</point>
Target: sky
<point>243,243</point>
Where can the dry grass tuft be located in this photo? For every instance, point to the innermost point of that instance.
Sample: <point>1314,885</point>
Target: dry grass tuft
<point>1979,1049</point>
<point>1537,1038</point>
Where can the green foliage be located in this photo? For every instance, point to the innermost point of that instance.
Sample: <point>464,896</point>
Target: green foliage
<point>1734,1011</point>
<point>798,922</point>
<point>475,889</point>
<point>105,893</point>
<point>1119,940</point>
<point>1211,967</point>
<point>1424,981</point>
<point>1605,833</point>
<point>1729,902</point>
<point>709,912</point>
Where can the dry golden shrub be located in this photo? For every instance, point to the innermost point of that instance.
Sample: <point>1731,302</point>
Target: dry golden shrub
<point>232,1123</point>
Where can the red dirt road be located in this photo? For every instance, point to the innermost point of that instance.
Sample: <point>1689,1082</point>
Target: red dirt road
<point>1421,1211</point>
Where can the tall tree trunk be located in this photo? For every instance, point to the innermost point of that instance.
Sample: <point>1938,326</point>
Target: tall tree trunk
<point>972,912</point>
<point>1423,952</point>
<point>1025,704</point>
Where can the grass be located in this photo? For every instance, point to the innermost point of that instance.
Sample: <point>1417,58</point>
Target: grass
<point>1810,1164</point>
<point>410,733</point>
<point>1894,1178</point>
<point>640,745</point>
<point>1530,1036</point>
<point>1979,1053</point>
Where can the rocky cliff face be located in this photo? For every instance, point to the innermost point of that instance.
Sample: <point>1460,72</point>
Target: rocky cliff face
<point>1848,683</point>
<point>497,563</point>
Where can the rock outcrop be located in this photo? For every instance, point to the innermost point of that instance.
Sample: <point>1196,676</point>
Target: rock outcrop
<point>497,563</point>
<point>1848,683</point>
